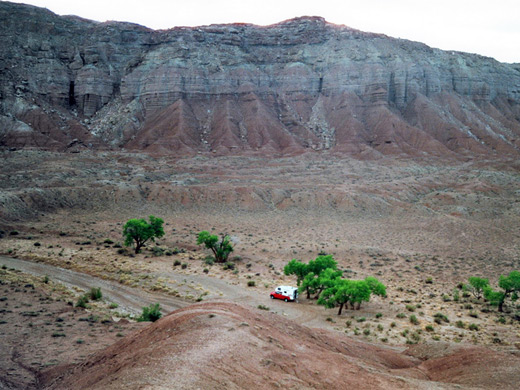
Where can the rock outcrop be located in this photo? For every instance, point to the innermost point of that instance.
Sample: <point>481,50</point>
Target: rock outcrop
<point>302,84</point>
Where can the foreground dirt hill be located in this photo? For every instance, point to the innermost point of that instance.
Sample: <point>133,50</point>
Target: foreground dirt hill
<point>220,345</point>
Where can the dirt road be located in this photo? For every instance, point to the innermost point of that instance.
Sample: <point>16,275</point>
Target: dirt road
<point>131,300</point>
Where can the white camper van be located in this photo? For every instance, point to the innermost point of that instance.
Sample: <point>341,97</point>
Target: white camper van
<point>287,293</point>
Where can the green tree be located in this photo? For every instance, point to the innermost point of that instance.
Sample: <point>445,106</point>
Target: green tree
<point>321,263</point>
<point>344,292</point>
<point>477,286</point>
<point>296,267</point>
<point>313,282</point>
<point>359,291</point>
<point>221,248</point>
<point>510,286</point>
<point>376,287</point>
<point>335,295</point>
<point>138,231</point>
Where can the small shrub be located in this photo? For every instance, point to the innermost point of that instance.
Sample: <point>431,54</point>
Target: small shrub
<point>456,295</point>
<point>157,251</point>
<point>393,325</point>
<point>95,293</point>
<point>460,324</point>
<point>414,320</point>
<point>108,241</point>
<point>262,307</point>
<point>410,307</point>
<point>415,337</point>
<point>379,315</point>
<point>82,302</point>
<point>473,327</point>
<point>439,318</point>
<point>429,328</point>
<point>209,260</point>
<point>361,319</point>
<point>501,320</point>
<point>46,279</point>
<point>184,265</point>
<point>229,265</point>
<point>113,305</point>
<point>473,314</point>
<point>151,313</point>
<point>251,283</point>
<point>428,280</point>
<point>176,263</point>
<point>205,270</point>
<point>366,332</point>
<point>401,315</point>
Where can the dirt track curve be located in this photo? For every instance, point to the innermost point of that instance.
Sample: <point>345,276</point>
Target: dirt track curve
<point>131,300</point>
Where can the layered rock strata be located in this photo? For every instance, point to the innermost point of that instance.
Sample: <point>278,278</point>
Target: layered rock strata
<point>303,84</point>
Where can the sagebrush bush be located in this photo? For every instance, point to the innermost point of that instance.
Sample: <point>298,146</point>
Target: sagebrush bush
<point>439,318</point>
<point>229,265</point>
<point>151,313</point>
<point>82,302</point>
<point>157,251</point>
<point>95,293</point>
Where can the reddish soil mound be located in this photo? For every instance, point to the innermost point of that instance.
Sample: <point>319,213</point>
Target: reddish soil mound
<point>470,366</point>
<point>219,345</point>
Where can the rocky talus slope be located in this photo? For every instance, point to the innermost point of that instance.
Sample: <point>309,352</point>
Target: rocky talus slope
<point>67,83</point>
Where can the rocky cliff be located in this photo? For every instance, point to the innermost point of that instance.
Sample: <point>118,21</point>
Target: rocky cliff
<point>303,84</point>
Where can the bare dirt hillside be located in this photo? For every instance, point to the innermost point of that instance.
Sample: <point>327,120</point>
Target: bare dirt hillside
<point>221,345</point>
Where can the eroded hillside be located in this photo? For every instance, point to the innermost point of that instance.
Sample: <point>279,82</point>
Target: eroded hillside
<point>303,84</point>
